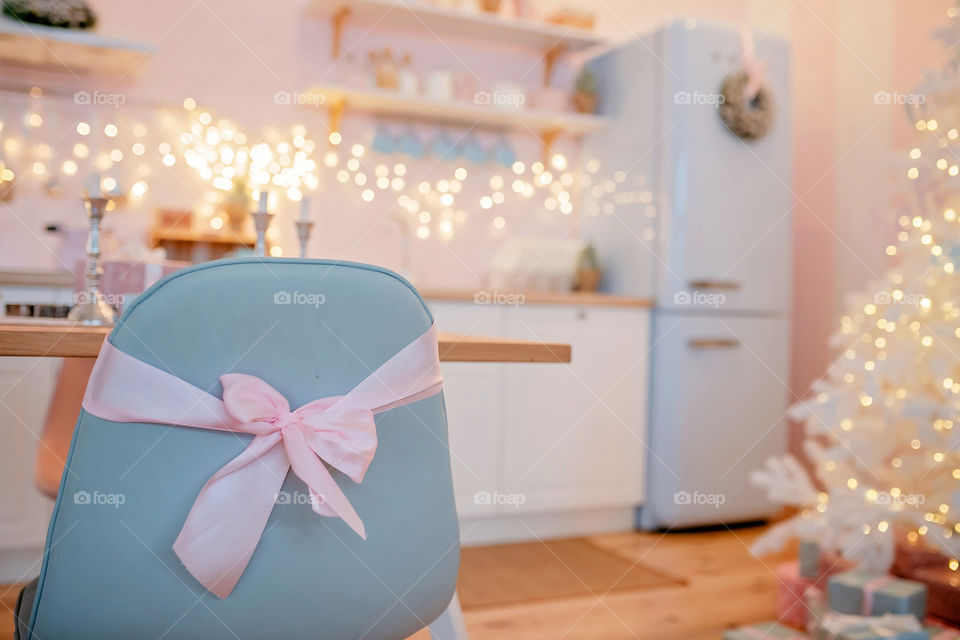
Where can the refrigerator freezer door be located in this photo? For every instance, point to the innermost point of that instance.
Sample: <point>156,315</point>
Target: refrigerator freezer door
<point>717,412</point>
<point>726,238</point>
<point>677,205</point>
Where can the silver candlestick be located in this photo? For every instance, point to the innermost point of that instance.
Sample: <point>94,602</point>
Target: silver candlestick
<point>304,227</point>
<point>91,307</point>
<point>261,222</point>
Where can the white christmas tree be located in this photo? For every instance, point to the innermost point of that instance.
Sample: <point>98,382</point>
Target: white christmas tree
<point>882,426</point>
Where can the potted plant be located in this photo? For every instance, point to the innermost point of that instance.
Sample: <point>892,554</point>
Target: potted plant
<point>236,205</point>
<point>585,92</point>
<point>589,272</point>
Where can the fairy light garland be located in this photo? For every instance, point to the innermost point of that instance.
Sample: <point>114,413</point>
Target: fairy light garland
<point>128,153</point>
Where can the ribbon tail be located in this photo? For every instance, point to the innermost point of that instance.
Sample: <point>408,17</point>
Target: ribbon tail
<point>326,493</point>
<point>221,531</point>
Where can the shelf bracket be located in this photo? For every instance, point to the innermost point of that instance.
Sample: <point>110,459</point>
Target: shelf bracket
<point>547,138</point>
<point>550,58</point>
<point>337,20</point>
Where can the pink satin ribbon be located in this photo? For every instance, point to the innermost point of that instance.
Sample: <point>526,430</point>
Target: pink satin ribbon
<point>228,517</point>
<point>871,588</point>
<point>754,67</point>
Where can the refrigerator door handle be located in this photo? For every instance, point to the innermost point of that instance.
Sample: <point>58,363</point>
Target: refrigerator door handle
<point>727,285</point>
<point>713,343</point>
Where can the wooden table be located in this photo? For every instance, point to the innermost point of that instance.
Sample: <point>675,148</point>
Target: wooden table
<point>61,339</point>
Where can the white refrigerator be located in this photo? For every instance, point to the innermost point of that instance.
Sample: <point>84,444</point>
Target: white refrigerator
<point>680,208</point>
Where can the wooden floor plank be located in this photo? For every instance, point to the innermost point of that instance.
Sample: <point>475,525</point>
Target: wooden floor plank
<point>726,587</point>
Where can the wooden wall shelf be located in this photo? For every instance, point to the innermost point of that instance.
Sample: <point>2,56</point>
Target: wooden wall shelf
<point>456,23</point>
<point>68,50</point>
<point>388,103</point>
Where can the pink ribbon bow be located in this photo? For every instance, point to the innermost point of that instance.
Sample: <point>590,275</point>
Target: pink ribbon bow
<point>228,517</point>
<point>754,67</point>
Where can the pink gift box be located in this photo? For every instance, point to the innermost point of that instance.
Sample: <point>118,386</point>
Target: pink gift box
<point>792,590</point>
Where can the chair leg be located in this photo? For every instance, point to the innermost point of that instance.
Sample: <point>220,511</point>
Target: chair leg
<point>450,624</point>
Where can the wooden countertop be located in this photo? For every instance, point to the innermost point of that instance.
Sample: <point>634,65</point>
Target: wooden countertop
<point>489,296</point>
<point>37,278</point>
<point>61,339</point>
<point>66,279</point>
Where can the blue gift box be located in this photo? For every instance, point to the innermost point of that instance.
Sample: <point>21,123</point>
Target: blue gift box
<point>764,631</point>
<point>847,594</point>
<point>869,633</point>
<point>808,554</point>
<point>838,626</point>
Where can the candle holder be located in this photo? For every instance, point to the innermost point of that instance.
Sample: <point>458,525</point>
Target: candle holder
<point>261,222</point>
<point>91,307</point>
<point>304,227</point>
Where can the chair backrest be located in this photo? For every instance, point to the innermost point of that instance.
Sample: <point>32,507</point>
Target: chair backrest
<point>311,329</point>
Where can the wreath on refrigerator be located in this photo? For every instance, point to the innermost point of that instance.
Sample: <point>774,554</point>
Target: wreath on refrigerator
<point>67,14</point>
<point>748,119</point>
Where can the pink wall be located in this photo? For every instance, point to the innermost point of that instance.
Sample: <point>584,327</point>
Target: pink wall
<point>232,57</point>
<point>814,317</point>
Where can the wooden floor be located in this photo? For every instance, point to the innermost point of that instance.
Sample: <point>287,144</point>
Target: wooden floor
<point>726,587</point>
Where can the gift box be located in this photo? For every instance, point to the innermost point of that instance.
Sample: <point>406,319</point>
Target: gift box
<point>868,594</point>
<point>808,555</point>
<point>816,562</point>
<point>764,631</point>
<point>836,626</point>
<point>817,608</point>
<point>911,556</point>
<point>937,632</point>
<point>943,591</point>
<point>792,589</point>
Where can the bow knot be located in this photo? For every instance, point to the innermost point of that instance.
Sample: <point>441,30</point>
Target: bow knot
<point>231,512</point>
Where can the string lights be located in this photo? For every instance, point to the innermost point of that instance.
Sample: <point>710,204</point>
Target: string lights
<point>882,424</point>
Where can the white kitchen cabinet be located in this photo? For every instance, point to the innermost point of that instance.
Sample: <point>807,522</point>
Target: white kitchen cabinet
<point>472,394</point>
<point>548,449</point>
<point>574,436</point>
<point>26,385</point>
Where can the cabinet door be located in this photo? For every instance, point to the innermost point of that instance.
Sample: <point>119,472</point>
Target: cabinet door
<point>574,433</point>
<point>25,388</point>
<point>472,392</point>
<point>718,411</point>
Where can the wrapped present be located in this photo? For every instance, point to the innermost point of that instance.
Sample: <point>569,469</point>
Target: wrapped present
<point>937,632</point>
<point>911,556</point>
<point>816,562</point>
<point>764,631</point>
<point>868,594</point>
<point>817,608</point>
<point>943,591</point>
<point>836,626</point>
<point>808,555</point>
<point>792,589</point>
